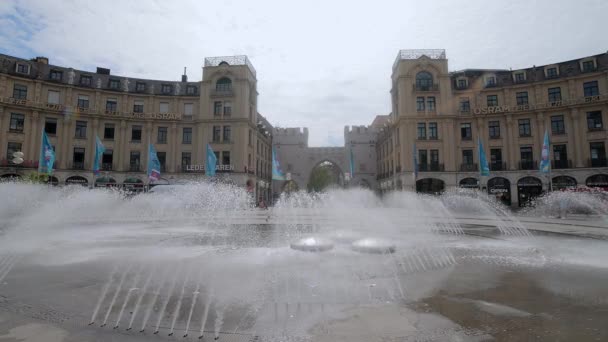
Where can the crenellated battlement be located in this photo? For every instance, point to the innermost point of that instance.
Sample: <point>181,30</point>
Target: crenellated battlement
<point>290,135</point>
<point>360,134</point>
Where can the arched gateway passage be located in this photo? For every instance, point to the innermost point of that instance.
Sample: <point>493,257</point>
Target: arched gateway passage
<point>500,188</point>
<point>324,175</point>
<point>528,189</point>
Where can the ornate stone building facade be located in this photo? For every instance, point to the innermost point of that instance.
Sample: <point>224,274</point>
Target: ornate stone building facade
<point>180,118</point>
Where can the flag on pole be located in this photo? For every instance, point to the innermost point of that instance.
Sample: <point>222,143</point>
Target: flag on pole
<point>99,150</point>
<point>153,164</point>
<point>352,163</point>
<point>415,161</point>
<point>545,163</point>
<point>277,173</point>
<point>210,162</point>
<point>484,169</point>
<point>47,155</point>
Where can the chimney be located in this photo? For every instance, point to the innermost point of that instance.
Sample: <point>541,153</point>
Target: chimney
<point>184,76</point>
<point>42,60</point>
<point>103,71</point>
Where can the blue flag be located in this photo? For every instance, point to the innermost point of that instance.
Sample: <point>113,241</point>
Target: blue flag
<point>484,169</point>
<point>99,150</point>
<point>545,163</point>
<point>352,163</point>
<point>415,161</point>
<point>153,164</point>
<point>277,173</point>
<point>47,155</point>
<point>210,162</point>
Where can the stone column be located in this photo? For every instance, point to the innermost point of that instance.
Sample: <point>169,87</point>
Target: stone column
<point>91,143</point>
<point>512,155</point>
<point>514,195</point>
<point>121,147</point>
<point>577,138</point>
<point>146,139</point>
<point>3,132</point>
<point>172,158</point>
<point>34,142</point>
<point>66,160</point>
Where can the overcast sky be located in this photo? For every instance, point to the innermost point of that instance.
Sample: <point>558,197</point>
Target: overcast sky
<point>320,64</point>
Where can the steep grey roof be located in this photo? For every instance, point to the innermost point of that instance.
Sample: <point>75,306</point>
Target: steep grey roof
<point>70,76</point>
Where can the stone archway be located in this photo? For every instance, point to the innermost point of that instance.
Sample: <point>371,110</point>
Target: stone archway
<point>528,189</point>
<point>325,174</point>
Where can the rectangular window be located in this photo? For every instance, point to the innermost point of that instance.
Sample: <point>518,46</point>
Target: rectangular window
<point>107,160</point>
<point>217,108</point>
<point>496,159</point>
<point>461,84</point>
<point>598,154</point>
<point>588,66</point>
<point>56,75</point>
<point>491,81</point>
<point>420,104</point>
<point>555,94</point>
<point>433,134</point>
<point>187,135</point>
<point>421,130</point>
<point>83,102</point>
<point>162,158</point>
<point>492,100</point>
<point>161,137</point>
<point>494,129</point>
<point>560,157</point>
<point>134,161</point>
<point>50,126</point>
<point>216,133</point>
<point>551,72</point>
<point>557,124</point>
<point>164,107</point>
<point>422,158</point>
<point>465,104</point>
<point>520,77</point>
<point>465,131</point>
<point>227,133</point>
<point>226,158</point>
<point>227,108</point>
<point>11,148</point>
<point>434,159</point>
<point>17,123</point>
<point>85,80</point>
<point>140,87</point>
<point>524,128</point>
<point>188,109</point>
<point>53,97</point>
<point>186,159</point>
<point>23,68</point>
<point>594,120</point>
<point>20,92</point>
<point>138,106</point>
<point>78,158</point>
<point>166,88</point>
<point>591,88</point>
<point>80,130</point>
<point>114,84</point>
<point>250,138</point>
<point>111,105</point>
<point>108,131</point>
<point>136,133</point>
<point>430,103</point>
<point>190,90</point>
<point>526,154</point>
<point>467,157</point>
<point>521,98</point>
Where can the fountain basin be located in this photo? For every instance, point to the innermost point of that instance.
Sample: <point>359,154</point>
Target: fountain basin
<point>373,246</point>
<point>312,244</point>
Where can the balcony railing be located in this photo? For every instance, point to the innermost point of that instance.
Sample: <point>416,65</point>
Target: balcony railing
<point>26,163</point>
<point>527,164</point>
<point>106,166</point>
<point>597,162</point>
<point>498,166</point>
<point>561,164</point>
<point>77,166</point>
<point>134,167</point>
<point>398,169</point>
<point>429,87</point>
<point>430,167</point>
<point>224,92</point>
<point>468,167</point>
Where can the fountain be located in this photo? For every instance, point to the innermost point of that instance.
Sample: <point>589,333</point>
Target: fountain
<point>203,264</point>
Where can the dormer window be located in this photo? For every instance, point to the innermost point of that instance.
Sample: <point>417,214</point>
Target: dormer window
<point>588,65</point>
<point>551,72</point>
<point>114,84</point>
<point>85,80</point>
<point>519,77</point>
<point>22,68</point>
<point>190,90</point>
<point>461,83</point>
<point>166,89</point>
<point>56,75</point>
<point>140,86</point>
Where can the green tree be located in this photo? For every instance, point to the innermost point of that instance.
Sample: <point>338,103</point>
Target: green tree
<point>321,177</point>
<point>36,177</point>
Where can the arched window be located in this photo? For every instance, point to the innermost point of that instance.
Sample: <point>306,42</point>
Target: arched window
<point>223,84</point>
<point>424,80</point>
